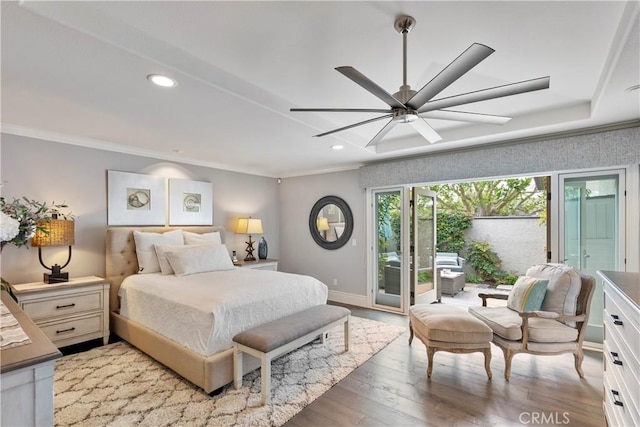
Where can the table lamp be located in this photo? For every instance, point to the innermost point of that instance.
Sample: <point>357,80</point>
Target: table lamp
<point>54,232</point>
<point>322,224</point>
<point>249,226</point>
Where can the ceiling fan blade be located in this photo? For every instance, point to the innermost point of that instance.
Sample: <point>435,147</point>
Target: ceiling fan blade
<point>369,85</point>
<point>355,124</point>
<point>425,130</point>
<point>343,110</point>
<point>385,130</point>
<point>485,94</point>
<point>463,116</point>
<point>468,59</point>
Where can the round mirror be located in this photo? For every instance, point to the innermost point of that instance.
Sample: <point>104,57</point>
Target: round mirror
<point>331,222</point>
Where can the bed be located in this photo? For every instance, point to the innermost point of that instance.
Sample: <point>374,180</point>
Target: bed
<point>206,362</point>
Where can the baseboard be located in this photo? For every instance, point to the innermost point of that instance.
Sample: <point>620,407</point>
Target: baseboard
<point>351,299</point>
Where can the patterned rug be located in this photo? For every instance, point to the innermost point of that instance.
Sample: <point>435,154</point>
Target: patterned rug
<point>117,385</point>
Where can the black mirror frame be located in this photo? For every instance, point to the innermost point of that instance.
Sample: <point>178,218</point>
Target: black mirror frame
<point>348,222</point>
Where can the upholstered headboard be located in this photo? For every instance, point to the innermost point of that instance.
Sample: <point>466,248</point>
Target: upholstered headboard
<point>121,254</point>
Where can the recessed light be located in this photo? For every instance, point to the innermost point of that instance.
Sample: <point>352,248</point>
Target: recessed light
<point>160,80</point>
<point>337,147</point>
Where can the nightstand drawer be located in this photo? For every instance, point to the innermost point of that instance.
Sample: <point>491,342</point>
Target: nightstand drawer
<point>67,330</point>
<point>65,305</point>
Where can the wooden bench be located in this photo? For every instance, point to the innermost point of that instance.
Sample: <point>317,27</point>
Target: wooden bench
<point>283,335</point>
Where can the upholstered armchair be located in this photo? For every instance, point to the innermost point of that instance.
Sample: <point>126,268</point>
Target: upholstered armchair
<point>556,327</point>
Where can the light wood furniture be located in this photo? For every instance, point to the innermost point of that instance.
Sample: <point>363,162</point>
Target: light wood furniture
<point>621,347</point>
<point>260,264</point>
<point>68,313</point>
<point>535,339</point>
<point>443,327</point>
<point>26,375</point>
<point>281,336</point>
<point>208,372</point>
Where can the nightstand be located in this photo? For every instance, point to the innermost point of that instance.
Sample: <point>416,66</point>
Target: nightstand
<point>260,264</point>
<point>68,313</point>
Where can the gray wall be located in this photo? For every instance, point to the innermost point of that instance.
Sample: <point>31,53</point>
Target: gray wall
<point>300,253</point>
<point>49,171</point>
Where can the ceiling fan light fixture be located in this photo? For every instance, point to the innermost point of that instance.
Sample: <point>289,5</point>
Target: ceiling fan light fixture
<point>405,116</point>
<point>162,81</point>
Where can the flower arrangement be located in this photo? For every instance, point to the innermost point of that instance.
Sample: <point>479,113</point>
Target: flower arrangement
<point>19,220</point>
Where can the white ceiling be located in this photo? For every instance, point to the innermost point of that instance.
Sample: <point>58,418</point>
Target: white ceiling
<point>76,72</point>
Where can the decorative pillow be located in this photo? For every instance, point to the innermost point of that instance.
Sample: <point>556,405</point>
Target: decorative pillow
<point>161,252</point>
<point>192,259</point>
<point>202,239</point>
<point>563,288</point>
<point>147,258</point>
<point>527,294</point>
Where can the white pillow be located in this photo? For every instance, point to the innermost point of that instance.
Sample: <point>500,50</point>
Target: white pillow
<point>192,259</point>
<point>146,251</point>
<point>201,239</point>
<point>161,252</point>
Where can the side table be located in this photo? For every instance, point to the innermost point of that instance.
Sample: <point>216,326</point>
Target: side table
<point>68,313</point>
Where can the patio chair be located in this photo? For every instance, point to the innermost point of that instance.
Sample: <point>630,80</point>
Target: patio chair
<point>450,261</point>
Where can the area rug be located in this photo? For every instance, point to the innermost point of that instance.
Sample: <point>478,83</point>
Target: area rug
<point>117,385</point>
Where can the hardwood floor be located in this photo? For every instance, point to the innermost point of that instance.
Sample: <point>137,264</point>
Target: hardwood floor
<point>392,389</point>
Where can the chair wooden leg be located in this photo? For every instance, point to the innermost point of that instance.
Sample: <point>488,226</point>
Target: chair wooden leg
<point>430,353</point>
<point>487,361</point>
<point>578,356</point>
<point>410,333</point>
<point>508,355</point>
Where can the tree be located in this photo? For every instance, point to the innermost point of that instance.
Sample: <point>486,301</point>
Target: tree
<point>503,197</point>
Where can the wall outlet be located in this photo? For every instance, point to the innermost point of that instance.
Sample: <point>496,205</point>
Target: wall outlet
<point>354,242</point>
<point>335,282</point>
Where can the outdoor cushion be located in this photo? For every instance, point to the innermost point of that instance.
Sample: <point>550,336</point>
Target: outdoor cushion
<point>562,290</point>
<point>508,324</point>
<point>527,294</point>
<point>446,323</point>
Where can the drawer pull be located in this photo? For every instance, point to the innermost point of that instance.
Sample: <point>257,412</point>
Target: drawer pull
<point>65,330</point>
<point>616,398</point>
<point>616,358</point>
<point>616,320</point>
<point>58,307</point>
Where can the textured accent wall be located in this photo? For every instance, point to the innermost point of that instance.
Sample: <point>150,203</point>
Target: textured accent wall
<point>611,148</point>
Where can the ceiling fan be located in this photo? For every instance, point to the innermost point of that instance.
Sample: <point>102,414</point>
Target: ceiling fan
<point>409,106</point>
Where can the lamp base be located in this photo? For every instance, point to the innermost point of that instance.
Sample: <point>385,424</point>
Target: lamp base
<point>56,277</point>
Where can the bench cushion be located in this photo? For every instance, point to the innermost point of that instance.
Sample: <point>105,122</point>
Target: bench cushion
<point>446,323</point>
<point>282,331</point>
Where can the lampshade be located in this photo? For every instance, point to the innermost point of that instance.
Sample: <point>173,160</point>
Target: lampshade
<point>322,224</point>
<point>249,226</point>
<point>59,232</point>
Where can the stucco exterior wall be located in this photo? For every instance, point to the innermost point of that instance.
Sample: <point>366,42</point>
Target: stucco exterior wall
<point>519,241</point>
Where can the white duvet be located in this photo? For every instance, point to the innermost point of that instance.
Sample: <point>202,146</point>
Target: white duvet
<point>204,311</point>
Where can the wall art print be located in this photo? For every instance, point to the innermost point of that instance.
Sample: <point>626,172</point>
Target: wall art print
<point>135,198</point>
<point>190,202</point>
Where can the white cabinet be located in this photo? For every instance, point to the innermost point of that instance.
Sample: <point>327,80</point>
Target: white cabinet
<point>621,347</point>
<point>68,313</point>
<point>26,375</point>
<point>260,264</point>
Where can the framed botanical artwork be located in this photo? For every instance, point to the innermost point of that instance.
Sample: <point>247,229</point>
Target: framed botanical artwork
<point>136,199</point>
<point>190,202</point>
